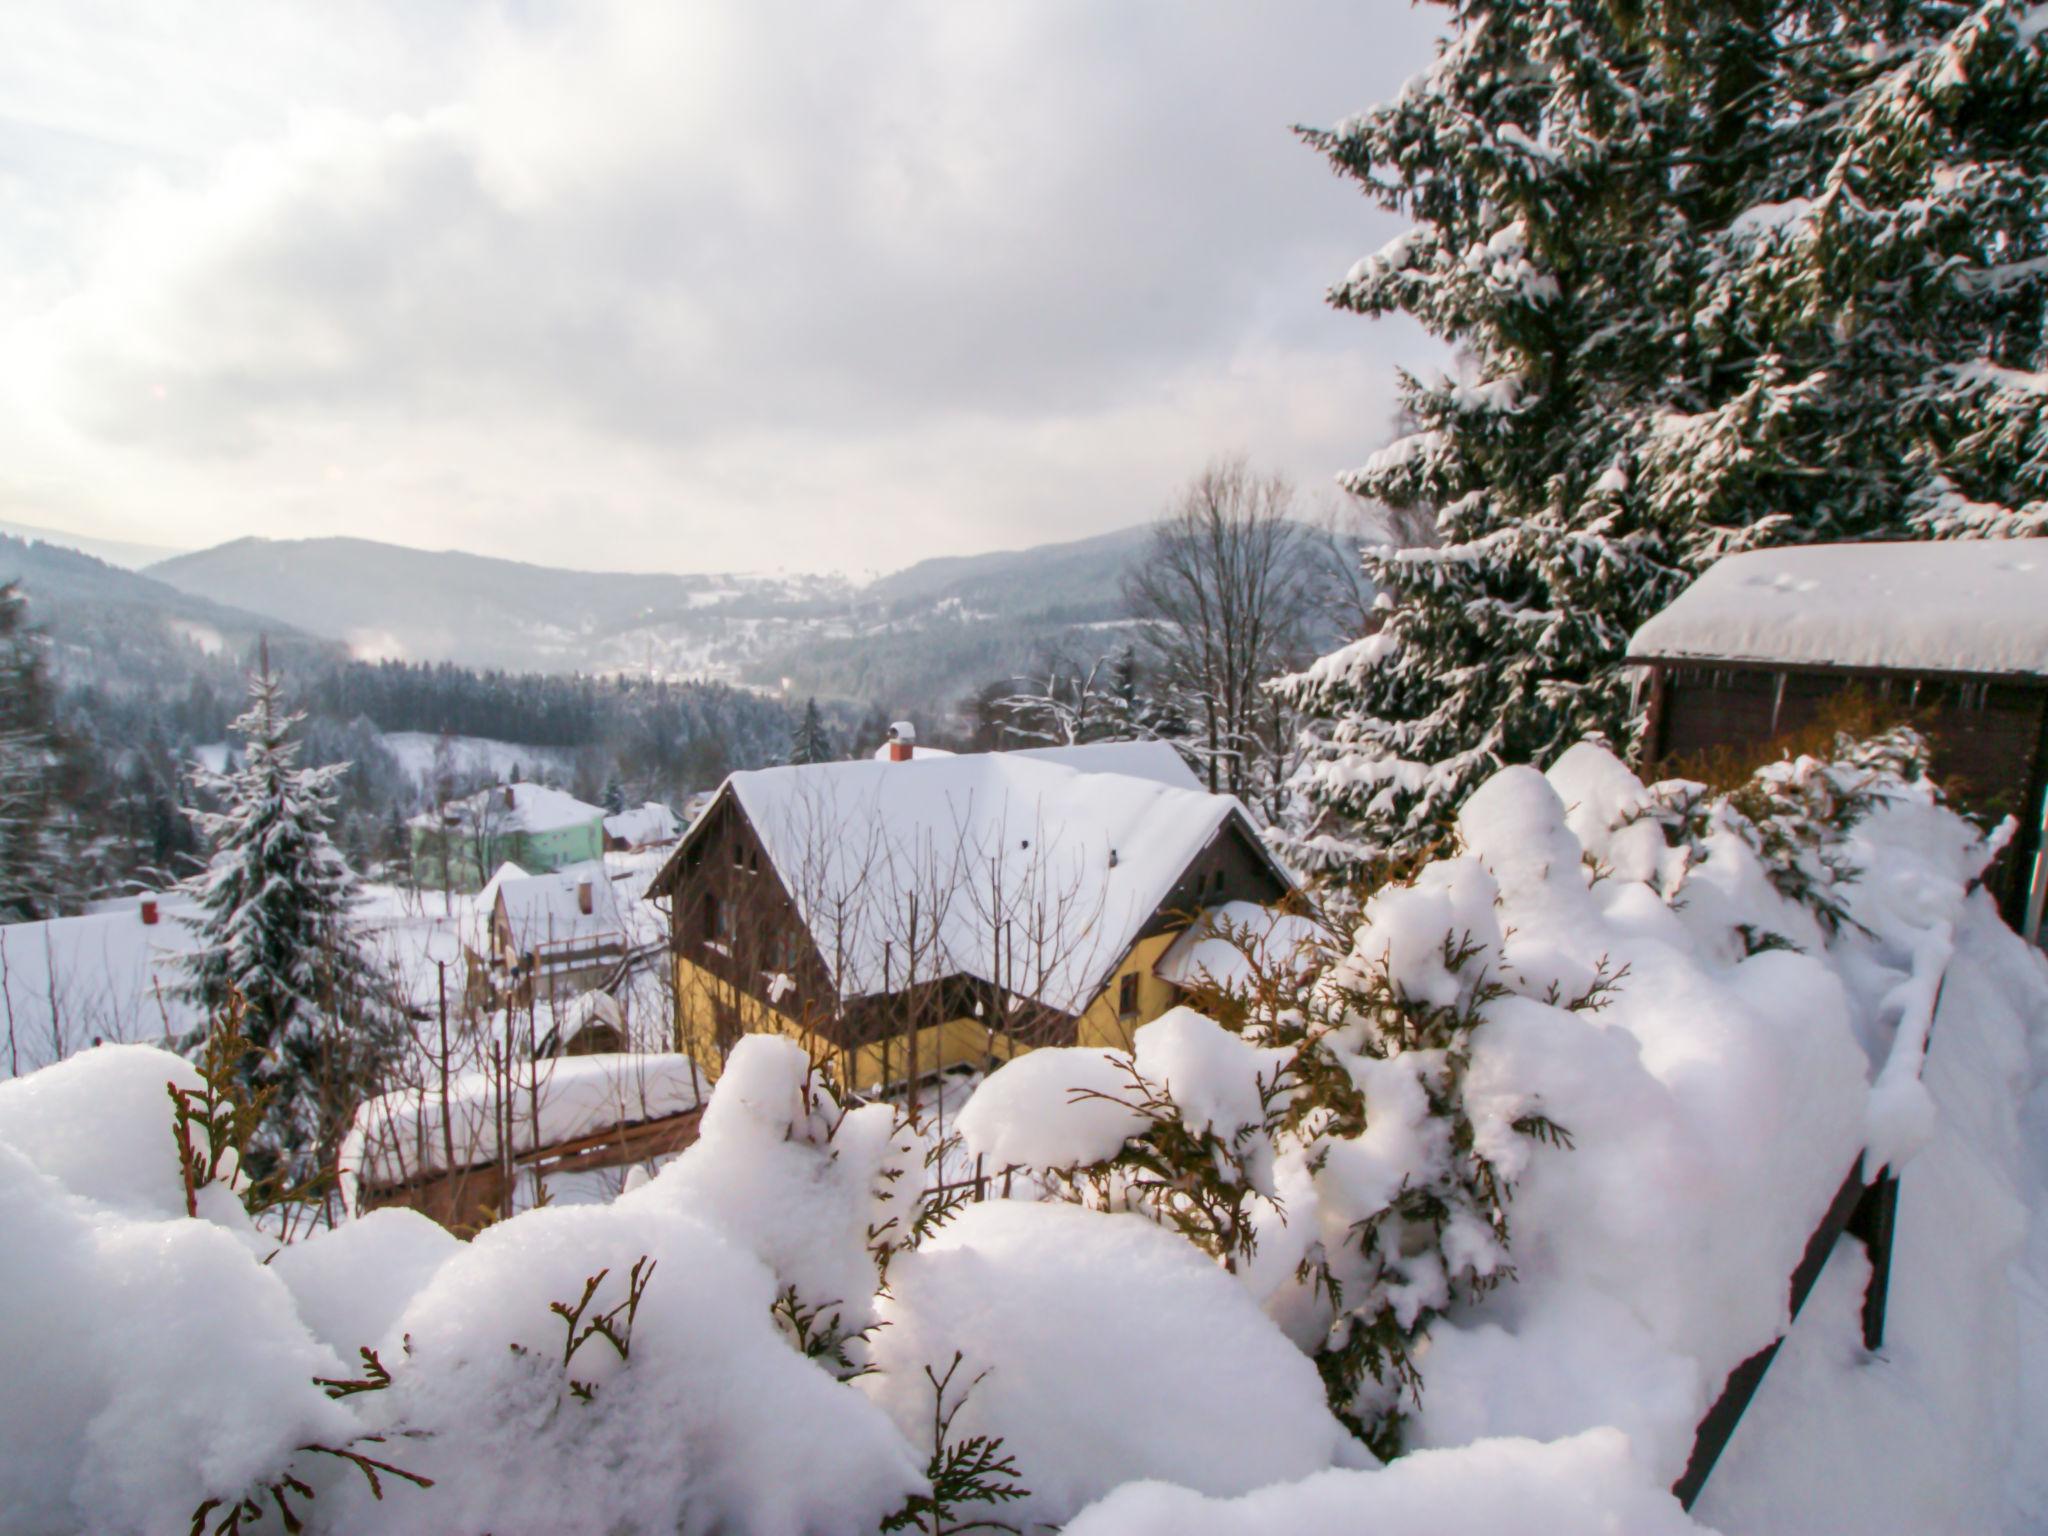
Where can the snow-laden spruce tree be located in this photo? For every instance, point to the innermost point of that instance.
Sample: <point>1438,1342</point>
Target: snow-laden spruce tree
<point>31,864</point>
<point>277,927</point>
<point>1717,276</point>
<point>809,743</point>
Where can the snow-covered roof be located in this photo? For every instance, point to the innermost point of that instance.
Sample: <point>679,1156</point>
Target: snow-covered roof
<point>1086,858</point>
<point>1154,760</point>
<point>107,975</point>
<point>649,823</point>
<point>548,909</point>
<point>397,1136</point>
<point>1957,605</point>
<point>514,808</point>
<point>1211,950</point>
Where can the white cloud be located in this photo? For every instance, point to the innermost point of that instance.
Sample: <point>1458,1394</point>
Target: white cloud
<point>765,284</point>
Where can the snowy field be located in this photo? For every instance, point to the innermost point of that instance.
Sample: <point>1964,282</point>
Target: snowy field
<point>1714,1096</point>
<point>473,756</point>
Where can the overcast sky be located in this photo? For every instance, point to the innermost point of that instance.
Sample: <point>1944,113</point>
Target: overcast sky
<point>670,286</point>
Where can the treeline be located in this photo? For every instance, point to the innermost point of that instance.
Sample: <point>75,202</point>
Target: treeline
<point>98,767</point>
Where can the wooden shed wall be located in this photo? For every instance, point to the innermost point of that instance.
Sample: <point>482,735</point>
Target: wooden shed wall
<point>1989,738</point>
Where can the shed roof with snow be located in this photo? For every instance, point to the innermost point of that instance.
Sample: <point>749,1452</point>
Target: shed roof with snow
<point>1951,634</point>
<point>1968,606</point>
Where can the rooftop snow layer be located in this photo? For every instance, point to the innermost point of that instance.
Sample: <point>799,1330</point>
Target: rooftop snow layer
<point>1154,760</point>
<point>533,808</point>
<point>1960,605</point>
<point>1083,858</point>
<point>650,823</point>
<point>398,1135</point>
<point>548,909</point>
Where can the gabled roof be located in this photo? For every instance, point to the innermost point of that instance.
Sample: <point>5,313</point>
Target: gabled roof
<point>1000,845</point>
<point>649,823</point>
<point>1976,606</point>
<point>513,808</point>
<point>548,909</point>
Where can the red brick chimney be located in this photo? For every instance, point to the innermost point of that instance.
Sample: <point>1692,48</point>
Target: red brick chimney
<point>583,897</point>
<point>902,742</point>
<point>149,912</point>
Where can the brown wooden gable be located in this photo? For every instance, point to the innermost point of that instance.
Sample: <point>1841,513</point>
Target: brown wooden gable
<point>1988,734</point>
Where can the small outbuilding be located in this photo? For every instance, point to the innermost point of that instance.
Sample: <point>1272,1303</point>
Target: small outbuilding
<point>1954,633</point>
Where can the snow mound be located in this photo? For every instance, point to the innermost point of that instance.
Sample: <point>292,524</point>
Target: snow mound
<point>1101,1349</point>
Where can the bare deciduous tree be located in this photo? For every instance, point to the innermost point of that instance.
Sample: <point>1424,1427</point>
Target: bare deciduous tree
<point>1228,600</point>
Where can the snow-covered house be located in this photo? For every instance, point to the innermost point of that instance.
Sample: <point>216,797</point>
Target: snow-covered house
<point>557,928</point>
<point>1954,634</point>
<point>649,826</point>
<point>530,825</point>
<point>903,916</point>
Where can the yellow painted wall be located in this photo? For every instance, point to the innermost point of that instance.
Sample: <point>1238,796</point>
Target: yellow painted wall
<point>1099,1024</point>
<point>957,1042</point>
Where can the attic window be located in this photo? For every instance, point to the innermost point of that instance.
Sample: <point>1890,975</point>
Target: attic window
<point>739,856</point>
<point>1127,996</point>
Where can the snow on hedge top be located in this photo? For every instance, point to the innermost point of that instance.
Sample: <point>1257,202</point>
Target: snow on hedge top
<point>1004,845</point>
<point>1961,605</point>
<point>1213,950</point>
<point>397,1136</point>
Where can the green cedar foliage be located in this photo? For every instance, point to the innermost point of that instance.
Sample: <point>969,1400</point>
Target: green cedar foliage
<point>1718,276</point>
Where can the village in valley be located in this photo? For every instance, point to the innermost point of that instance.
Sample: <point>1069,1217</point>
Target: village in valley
<point>1497,988</point>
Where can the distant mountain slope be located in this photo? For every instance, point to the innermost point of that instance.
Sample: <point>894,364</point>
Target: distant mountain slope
<point>117,626</point>
<point>1083,573</point>
<point>923,636</point>
<point>125,553</point>
<point>443,605</point>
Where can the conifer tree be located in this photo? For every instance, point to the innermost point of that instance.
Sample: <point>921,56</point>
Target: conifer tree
<point>277,927</point>
<point>30,864</point>
<point>810,743</point>
<point>1718,277</point>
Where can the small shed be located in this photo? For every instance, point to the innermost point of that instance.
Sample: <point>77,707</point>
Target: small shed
<point>1955,632</point>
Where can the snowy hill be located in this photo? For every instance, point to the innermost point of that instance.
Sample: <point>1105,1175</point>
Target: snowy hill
<point>119,626</point>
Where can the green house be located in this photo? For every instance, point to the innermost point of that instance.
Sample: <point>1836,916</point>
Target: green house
<point>537,828</point>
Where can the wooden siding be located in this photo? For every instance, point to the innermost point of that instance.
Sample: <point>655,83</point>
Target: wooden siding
<point>1989,736</point>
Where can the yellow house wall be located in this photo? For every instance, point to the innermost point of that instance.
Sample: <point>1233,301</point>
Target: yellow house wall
<point>697,995</point>
<point>1099,1023</point>
<point>956,1042</point>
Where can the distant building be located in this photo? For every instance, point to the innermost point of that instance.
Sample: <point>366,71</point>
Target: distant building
<point>905,915</point>
<point>556,931</point>
<point>1951,634</point>
<point>530,825</point>
<point>650,826</point>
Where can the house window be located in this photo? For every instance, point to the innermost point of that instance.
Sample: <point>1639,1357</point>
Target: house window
<point>714,917</point>
<point>1127,996</point>
<point>739,856</point>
